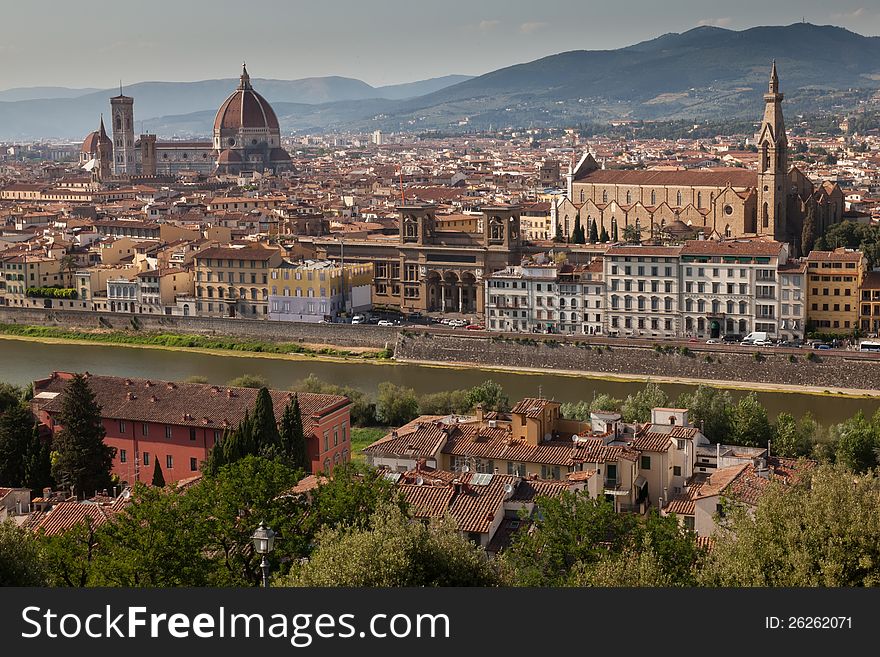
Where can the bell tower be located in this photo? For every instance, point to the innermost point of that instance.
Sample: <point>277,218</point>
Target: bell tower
<point>773,165</point>
<point>122,110</point>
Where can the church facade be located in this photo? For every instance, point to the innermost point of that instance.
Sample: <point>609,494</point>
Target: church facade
<point>772,202</point>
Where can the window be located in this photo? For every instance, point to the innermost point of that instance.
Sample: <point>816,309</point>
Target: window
<point>549,472</point>
<point>146,459</point>
<point>123,456</point>
<point>193,464</point>
<point>646,462</point>
<point>335,436</point>
<point>121,427</point>
<point>514,468</point>
<point>192,433</point>
<point>689,523</point>
<point>676,470</point>
<point>169,462</point>
<point>326,440</point>
<point>168,431</point>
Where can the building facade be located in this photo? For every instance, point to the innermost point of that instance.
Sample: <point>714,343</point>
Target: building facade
<point>316,291</point>
<point>834,280</point>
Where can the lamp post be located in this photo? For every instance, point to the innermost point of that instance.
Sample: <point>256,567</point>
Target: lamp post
<point>264,542</point>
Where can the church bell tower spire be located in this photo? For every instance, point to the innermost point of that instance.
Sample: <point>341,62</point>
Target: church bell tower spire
<point>773,165</point>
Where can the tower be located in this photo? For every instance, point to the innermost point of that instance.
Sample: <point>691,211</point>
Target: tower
<point>122,109</point>
<point>773,165</point>
<point>104,155</point>
<point>148,155</point>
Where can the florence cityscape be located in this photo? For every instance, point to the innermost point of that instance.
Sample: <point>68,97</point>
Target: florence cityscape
<point>563,300</point>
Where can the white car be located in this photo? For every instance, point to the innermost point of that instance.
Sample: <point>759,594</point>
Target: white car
<point>385,322</point>
<point>713,341</point>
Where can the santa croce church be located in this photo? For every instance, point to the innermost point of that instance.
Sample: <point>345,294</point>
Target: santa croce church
<point>770,203</point>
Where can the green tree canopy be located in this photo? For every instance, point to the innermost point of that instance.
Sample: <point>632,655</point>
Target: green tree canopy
<point>491,395</point>
<point>248,381</point>
<point>594,232</point>
<point>292,437</point>
<point>394,551</point>
<point>158,476</point>
<point>16,437</point>
<point>83,461</point>
<point>712,409</point>
<point>822,531</point>
<point>857,443</point>
<point>21,559</point>
<point>265,439</point>
<point>396,405</point>
<point>603,234</point>
<point>750,423</point>
<point>792,438</point>
<point>637,406</point>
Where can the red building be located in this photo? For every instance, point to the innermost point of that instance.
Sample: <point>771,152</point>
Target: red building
<point>178,423</point>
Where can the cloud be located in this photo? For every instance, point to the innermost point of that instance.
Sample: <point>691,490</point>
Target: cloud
<point>716,22</point>
<point>485,26</point>
<point>532,26</point>
<point>849,15</point>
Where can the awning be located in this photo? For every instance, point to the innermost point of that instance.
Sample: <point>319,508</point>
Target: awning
<point>640,482</point>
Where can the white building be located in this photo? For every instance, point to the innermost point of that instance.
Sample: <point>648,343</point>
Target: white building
<point>642,287</point>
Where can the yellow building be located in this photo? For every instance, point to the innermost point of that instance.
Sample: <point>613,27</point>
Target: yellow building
<point>23,271</point>
<point>834,280</point>
<point>318,290</point>
<point>233,281</point>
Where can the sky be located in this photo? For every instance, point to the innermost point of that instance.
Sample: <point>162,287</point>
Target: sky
<point>95,43</point>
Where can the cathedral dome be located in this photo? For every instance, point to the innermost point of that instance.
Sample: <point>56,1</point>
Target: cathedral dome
<point>245,108</point>
<point>90,143</point>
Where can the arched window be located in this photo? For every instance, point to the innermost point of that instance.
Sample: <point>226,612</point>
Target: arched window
<point>765,218</point>
<point>582,195</point>
<point>699,199</point>
<point>653,197</point>
<point>604,195</point>
<point>743,306</point>
<point>727,231</point>
<point>628,197</point>
<point>678,199</point>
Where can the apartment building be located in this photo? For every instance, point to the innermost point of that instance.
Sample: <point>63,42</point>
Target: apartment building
<point>28,270</point>
<point>179,423</point>
<point>318,290</point>
<point>234,280</point>
<point>869,307</point>
<point>793,300</point>
<point>642,286</point>
<point>523,298</point>
<point>833,289</point>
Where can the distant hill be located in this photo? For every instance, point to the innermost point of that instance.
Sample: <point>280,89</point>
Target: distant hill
<point>35,93</point>
<point>33,113</point>
<point>704,73</point>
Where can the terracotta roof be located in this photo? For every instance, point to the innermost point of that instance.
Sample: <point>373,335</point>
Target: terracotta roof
<point>732,247</point>
<point>716,178</point>
<point>532,407</point>
<point>185,404</point>
<point>255,252</point>
<point>66,515</point>
<point>638,250</point>
<point>838,255</point>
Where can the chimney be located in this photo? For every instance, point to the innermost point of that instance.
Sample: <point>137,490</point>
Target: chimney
<point>479,410</point>
<point>229,393</point>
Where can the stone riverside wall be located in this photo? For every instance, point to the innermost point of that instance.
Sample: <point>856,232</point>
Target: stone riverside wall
<point>775,368</point>
<point>343,335</point>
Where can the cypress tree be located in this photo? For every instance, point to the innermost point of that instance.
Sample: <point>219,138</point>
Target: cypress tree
<point>558,236</point>
<point>16,432</point>
<point>298,452</point>
<point>576,231</point>
<point>158,477</point>
<point>808,233</point>
<point>603,235</point>
<point>83,460</point>
<point>265,427</point>
<point>594,232</point>
<point>38,463</point>
<point>614,231</point>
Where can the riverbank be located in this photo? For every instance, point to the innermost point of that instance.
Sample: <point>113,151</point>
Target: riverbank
<point>193,343</point>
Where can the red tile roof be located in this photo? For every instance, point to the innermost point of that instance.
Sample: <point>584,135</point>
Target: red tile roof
<point>733,176</point>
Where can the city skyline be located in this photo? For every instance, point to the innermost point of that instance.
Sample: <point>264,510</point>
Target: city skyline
<point>380,43</point>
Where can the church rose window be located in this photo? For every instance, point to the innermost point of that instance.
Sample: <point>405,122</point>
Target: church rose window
<point>728,209</point>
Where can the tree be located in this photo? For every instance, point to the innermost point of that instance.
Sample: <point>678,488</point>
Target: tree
<point>16,434</point>
<point>70,556</point>
<point>594,232</point>
<point>575,540</point>
<point>38,463</point>
<point>632,233</point>
<point>21,561</point>
<point>791,438</point>
<point>750,423</point>
<point>10,397</point>
<point>856,444</point>
<point>292,437</point>
<point>637,407</point>
<point>196,378</point>
<point>363,407</point>
<point>577,235</point>
<point>491,395</point>
<point>158,477</point>
<point>83,460</point>
<point>712,409</point>
<point>821,531</point>
<point>614,230</point>
<point>603,234</point>
<point>557,237</point>
<point>396,405</point>
<point>394,552</point>
<point>808,232</point>
<point>445,402</point>
<point>265,426</point>
<point>248,381</point>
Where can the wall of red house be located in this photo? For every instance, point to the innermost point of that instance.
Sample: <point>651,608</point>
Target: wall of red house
<point>337,452</point>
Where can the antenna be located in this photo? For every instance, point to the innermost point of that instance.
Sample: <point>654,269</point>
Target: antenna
<point>120,86</point>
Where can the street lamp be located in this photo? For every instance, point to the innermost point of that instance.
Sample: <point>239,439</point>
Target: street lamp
<point>264,542</point>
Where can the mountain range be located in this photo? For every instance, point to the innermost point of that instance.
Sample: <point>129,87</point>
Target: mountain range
<point>703,73</point>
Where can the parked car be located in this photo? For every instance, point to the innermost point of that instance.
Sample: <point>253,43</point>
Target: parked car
<point>823,346</point>
<point>713,341</point>
<point>733,338</point>
<point>762,343</point>
<point>475,327</point>
<point>358,319</point>
<point>385,322</point>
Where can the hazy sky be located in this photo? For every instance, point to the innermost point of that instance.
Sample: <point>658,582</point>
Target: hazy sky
<point>94,43</point>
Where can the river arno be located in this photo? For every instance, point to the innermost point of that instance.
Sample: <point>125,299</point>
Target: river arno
<point>24,361</point>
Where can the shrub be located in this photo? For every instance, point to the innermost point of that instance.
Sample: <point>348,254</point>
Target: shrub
<point>812,357</point>
<point>758,356</point>
<point>792,358</point>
